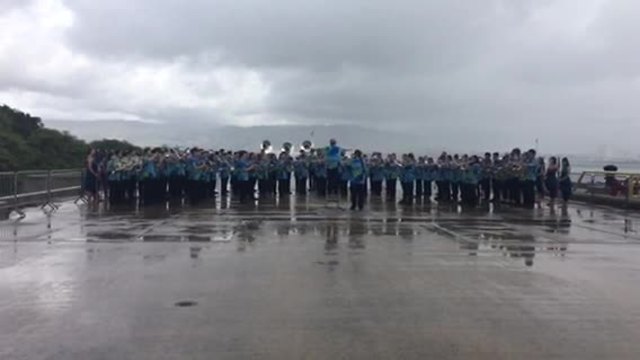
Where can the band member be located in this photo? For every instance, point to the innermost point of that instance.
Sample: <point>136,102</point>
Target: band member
<point>320,171</point>
<point>430,175</point>
<point>333,155</point>
<point>407,178</point>
<point>392,172</point>
<point>551,180</point>
<point>345,176</point>
<point>285,167</point>
<point>530,170</point>
<point>358,170</point>
<point>497,180</point>
<point>565,180</point>
<point>376,171</point>
<point>485,177</point>
<point>420,174</point>
<point>301,172</point>
<point>443,178</point>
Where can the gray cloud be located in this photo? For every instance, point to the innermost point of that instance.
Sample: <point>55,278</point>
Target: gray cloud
<point>493,71</point>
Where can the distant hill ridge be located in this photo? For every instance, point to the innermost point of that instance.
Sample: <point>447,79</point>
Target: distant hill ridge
<point>235,137</point>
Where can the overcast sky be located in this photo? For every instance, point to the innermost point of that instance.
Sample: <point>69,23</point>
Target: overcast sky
<point>565,71</point>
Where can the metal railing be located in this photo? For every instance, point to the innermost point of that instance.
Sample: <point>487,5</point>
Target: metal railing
<point>609,186</point>
<point>20,189</point>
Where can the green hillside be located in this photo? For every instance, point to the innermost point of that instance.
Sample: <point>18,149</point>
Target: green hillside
<point>26,144</point>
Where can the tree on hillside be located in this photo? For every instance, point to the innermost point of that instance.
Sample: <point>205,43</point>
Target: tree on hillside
<point>113,145</point>
<point>26,144</point>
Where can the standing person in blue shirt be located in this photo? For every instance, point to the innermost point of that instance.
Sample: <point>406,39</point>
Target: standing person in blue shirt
<point>333,154</point>
<point>515,177</point>
<point>407,178</point>
<point>224,168</point>
<point>273,174</point>
<point>195,168</point>
<point>542,168</point>
<point>485,178</point>
<point>430,175</point>
<point>391,174</point>
<point>262,173</point>
<point>243,167</point>
<point>471,171</point>
<point>148,176</point>
<point>301,173</point>
<point>456,175</point>
<point>376,171</point>
<point>497,183</point>
<point>284,174</point>
<point>565,180</point>
<point>321,175</point>
<point>358,170</point>
<point>175,169</point>
<point>420,173</point>
<point>345,176</point>
<point>442,179</point>
<point>530,175</point>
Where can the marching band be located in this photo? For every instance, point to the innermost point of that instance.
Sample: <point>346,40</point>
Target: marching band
<point>155,175</point>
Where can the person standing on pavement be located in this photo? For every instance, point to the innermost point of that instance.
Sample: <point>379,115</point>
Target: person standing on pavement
<point>333,154</point>
<point>358,170</point>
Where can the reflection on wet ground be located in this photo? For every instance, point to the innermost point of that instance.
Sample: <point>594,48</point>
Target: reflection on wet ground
<point>303,278</point>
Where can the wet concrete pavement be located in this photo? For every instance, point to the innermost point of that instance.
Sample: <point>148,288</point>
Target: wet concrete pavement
<point>309,280</point>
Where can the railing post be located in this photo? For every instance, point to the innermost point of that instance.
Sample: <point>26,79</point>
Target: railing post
<point>15,188</point>
<point>630,184</point>
<point>49,186</point>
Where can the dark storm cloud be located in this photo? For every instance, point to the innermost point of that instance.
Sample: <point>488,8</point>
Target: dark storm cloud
<point>492,70</point>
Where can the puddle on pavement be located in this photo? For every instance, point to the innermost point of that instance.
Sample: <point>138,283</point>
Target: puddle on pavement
<point>161,238</point>
<point>186,303</point>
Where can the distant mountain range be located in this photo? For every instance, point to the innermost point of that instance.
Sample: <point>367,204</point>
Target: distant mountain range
<point>208,136</point>
<point>430,139</point>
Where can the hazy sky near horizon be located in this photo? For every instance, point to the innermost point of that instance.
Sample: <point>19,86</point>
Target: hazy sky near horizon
<point>564,71</point>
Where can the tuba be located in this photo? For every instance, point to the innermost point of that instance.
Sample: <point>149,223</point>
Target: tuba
<point>265,147</point>
<point>286,147</point>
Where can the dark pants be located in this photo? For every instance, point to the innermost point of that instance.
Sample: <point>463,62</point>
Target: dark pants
<point>283,187</point>
<point>176,186</point>
<point>333,179</point>
<point>565,189</point>
<point>426,189</point>
<point>469,194</point>
<point>115,191</point>
<point>321,186</point>
<point>455,191</point>
<point>506,185</point>
<point>224,185</point>
<point>485,185</point>
<point>301,185</point>
<point>528,193</point>
<point>391,188</point>
<point>444,191</point>
<point>273,184</point>
<point>515,191</point>
<point>540,187</point>
<point>262,187</point>
<point>312,182</point>
<point>210,189</point>
<point>376,187</point>
<point>358,194</point>
<point>407,192</point>
<point>497,186</point>
<point>235,186</point>
<point>344,188</point>
<point>419,187</point>
<point>244,191</point>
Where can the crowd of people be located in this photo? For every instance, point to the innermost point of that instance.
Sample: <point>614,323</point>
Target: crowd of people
<point>194,175</point>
